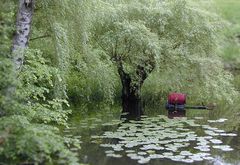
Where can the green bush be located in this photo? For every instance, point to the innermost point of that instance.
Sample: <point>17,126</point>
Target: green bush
<point>22,141</point>
<point>23,136</point>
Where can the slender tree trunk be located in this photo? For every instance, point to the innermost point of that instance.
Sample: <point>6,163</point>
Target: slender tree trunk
<point>20,42</point>
<point>21,37</point>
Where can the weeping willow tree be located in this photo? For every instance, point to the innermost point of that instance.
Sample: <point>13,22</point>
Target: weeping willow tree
<point>84,74</point>
<point>152,46</point>
<point>173,39</point>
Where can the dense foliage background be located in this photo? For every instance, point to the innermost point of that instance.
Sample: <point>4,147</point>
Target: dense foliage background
<point>71,62</point>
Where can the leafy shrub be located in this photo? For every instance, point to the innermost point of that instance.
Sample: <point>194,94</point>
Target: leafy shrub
<point>22,141</point>
<point>37,90</point>
<point>23,136</point>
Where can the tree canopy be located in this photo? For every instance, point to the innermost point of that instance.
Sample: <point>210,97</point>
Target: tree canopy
<point>173,39</point>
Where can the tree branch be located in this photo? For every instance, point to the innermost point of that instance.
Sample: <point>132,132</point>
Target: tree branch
<point>39,37</point>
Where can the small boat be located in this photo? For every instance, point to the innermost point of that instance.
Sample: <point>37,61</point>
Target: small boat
<point>177,102</point>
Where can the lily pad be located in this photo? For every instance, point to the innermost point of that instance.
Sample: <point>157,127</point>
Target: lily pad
<point>216,141</point>
<point>228,134</point>
<point>203,148</point>
<point>223,147</point>
<point>144,160</point>
<point>114,155</point>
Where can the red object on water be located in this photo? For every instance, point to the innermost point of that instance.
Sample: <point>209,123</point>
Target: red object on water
<point>176,98</point>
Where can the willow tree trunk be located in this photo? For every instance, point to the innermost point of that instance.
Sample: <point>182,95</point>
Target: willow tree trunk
<point>131,96</point>
<point>21,37</point>
<point>131,99</point>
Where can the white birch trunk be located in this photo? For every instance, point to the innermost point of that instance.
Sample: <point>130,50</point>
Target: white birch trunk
<point>23,26</point>
<point>20,42</point>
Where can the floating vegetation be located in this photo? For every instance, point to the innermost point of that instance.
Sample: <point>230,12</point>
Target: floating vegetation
<point>228,134</point>
<point>223,147</point>
<point>203,148</point>
<point>217,121</point>
<point>142,153</point>
<point>151,152</point>
<point>211,133</point>
<point>198,118</point>
<point>152,146</point>
<point>114,155</point>
<point>219,131</point>
<point>109,152</point>
<point>144,160</point>
<point>185,153</point>
<point>162,138</point>
<point>216,141</point>
<point>129,151</point>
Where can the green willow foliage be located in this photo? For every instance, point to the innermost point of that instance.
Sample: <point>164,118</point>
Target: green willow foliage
<point>89,75</point>
<point>183,38</point>
<point>183,34</point>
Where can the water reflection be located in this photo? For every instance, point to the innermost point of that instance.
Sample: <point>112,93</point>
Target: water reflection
<point>172,114</point>
<point>116,142</point>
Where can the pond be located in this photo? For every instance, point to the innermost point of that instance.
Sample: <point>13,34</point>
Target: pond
<point>202,137</point>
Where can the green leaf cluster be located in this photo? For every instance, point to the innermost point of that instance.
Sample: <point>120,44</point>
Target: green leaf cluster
<point>37,90</point>
<point>30,115</point>
<point>24,142</point>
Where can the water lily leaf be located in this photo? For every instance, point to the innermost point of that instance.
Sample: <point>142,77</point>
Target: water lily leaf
<point>228,134</point>
<point>198,118</point>
<point>142,153</point>
<point>106,145</point>
<point>222,120</point>
<point>203,148</point>
<point>135,156</point>
<point>196,158</point>
<point>143,160</point>
<point>212,121</point>
<point>211,133</point>
<point>208,158</point>
<point>216,141</point>
<point>155,156</point>
<point>168,154</point>
<point>187,160</point>
<point>177,157</point>
<point>109,152</point>
<point>114,155</point>
<point>219,131</point>
<point>185,153</point>
<point>150,151</point>
<point>223,147</point>
<point>129,151</point>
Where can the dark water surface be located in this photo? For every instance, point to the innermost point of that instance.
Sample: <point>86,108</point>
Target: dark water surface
<point>202,137</point>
